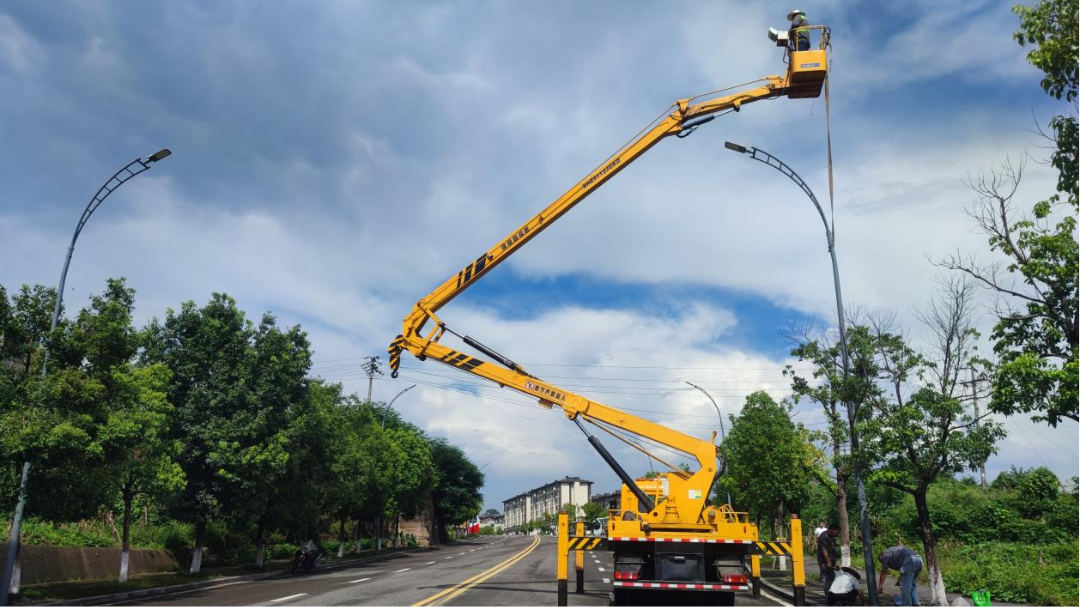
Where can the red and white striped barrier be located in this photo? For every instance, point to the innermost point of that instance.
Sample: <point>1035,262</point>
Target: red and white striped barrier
<point>679,586</point>
<point>689,540</point>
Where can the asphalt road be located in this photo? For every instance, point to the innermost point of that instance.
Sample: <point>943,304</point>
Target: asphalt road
<point>512,570</point>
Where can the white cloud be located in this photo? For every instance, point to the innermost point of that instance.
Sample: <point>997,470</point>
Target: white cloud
<point>335,168</point>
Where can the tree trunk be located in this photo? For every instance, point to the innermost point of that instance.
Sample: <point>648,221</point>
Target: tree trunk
<point>841,508</point>
<point>937,584</point>
<point>341,538</point>
<point>16,572</point>
<point>778,535</point>
<point>125,545</point>
<point>397,531</point>
<point>358,546</point>
<point>260,545</point>
<point>378,534</point>
<point>200,540</point>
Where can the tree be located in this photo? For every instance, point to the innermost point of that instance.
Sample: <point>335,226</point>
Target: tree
<point>130,439</point>
<point>415,476</point>
<point>256,463</point>
<point>207,350</point>
<point>768,469</point>
<point>1036,338</point>
<point>592,511</point>
<point>136,446</point>
<point>456,496</point>
<point>916,436</point>
<point>828,389</point>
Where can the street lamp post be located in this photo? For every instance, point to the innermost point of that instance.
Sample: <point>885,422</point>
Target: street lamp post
<point>864,518</point>
<point>721,416</point>
<point>130,170</point>
<point>391,405</point>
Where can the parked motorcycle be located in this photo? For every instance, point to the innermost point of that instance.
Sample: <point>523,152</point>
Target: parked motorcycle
<point>307,557</point>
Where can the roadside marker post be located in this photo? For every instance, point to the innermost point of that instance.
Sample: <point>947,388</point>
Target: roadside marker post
<point>579,560</point>
<point>563,556</point>
<point>798,573</point>
<point>755,575</point>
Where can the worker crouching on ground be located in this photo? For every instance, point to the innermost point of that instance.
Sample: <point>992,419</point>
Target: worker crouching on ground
<point>826,555</point>
<point>846,589</point>
<point>909,564</point>
<point>800,34</point>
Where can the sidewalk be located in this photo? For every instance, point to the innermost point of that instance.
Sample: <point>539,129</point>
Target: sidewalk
<point>815,592</point>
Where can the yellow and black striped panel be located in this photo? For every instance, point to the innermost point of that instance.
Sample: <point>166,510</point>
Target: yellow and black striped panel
<point>587,543</point>
<point>774,548</point>
<point>463,361</point>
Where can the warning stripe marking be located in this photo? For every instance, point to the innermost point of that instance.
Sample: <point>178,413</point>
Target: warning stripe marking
<point>775,548</point>
<point>679,586</point>
<point>679,539</point>
<point>585,543</point>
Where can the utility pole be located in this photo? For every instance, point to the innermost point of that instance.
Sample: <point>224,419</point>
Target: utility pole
<point>975,402</point>
<point>371,367</point>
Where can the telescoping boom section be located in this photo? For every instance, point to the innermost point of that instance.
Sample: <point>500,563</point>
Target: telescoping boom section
<point>659,523</point>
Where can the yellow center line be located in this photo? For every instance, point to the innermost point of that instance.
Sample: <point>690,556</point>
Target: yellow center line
<point>453,591</point>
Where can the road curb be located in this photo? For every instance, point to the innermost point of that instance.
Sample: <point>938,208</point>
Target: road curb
<point>104,599</point>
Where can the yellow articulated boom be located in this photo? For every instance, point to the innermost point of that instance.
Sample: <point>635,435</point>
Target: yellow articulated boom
<point>666,533</point>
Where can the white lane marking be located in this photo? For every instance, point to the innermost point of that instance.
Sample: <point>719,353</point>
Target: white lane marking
<point>461,554</point>
<point>607,581</point>
<point>360,580</point>
<point>449,557</point>
<point>599,568</point>
<point>775,598</point>
<point>291,596</point>
<point>402,570</point>
<point>473,550</point>
<point>430,563</point>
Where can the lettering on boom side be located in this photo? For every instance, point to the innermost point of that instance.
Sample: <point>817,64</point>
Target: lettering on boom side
<point>545,391</point>
<point>516,237</point>
<point>601,173</point>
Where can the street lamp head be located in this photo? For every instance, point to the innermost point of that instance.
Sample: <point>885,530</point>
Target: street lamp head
<point>158,155</point>
<point>735,147</point>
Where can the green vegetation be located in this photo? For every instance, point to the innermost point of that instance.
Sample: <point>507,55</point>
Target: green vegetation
<point>203,432</point>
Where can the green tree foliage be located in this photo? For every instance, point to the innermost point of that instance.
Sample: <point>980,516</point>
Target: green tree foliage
<point>456,497</point>
<point>1036,337</point>
<point>592,511</point>
<point>207,418</point>
<point>828,387</point>
<point>769,468</point>
<point>232,386</point>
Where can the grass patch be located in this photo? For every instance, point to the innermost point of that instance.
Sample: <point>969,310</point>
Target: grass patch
<point>1014,572</point>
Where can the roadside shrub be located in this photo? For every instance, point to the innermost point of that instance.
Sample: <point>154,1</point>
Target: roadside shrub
<point>1036,574</point>
<point>174,535</point>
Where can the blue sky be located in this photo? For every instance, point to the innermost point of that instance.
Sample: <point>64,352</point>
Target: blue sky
<point>334,161</point>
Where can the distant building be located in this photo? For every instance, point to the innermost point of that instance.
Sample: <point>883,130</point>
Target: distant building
<point>491,520</point>
<point>610,501</point>
<point>548,499</point>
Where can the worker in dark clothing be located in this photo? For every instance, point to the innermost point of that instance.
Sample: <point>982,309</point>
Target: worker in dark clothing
<point>909,564</point>
<point>800,33</point>
<point>826,555</point>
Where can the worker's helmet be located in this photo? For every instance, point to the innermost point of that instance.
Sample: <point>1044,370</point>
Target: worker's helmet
<point>795,13</point>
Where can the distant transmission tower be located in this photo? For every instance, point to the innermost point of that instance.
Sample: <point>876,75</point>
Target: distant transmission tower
<point>371,367</point>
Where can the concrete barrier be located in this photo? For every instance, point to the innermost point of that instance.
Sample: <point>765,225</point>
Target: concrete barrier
<point>45,564</point>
